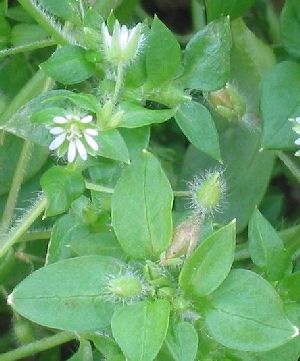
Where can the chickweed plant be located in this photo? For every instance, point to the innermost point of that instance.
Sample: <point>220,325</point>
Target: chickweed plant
<point>149,180</point>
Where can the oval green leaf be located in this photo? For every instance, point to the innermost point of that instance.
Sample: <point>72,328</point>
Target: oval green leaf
<point>142,209</point>
<point>140,329</point>
<point>210,263</point>
<point>68,295</point>
<point>245,313</point>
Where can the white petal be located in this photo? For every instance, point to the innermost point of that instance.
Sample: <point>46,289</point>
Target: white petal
<point>298,120</point>
<point>87,119</point>
<point>91,142</point>
<point>106,36</point>
<point>57,130</point>
<point>297,154</point>
<point>297,141</point>
<point>57,142</point>
<point>91,131</point>
<point>60,120</point>
<point>71,152</point>
<point>81,149</point>
<point>124,36</point>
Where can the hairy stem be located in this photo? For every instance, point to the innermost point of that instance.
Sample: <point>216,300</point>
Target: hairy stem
<point>36,235</point>
<point>37,346</point>
<point>16,185</point>
<point>27,47</point>
<point>290,164</point>
<point>46,22</point>
<point>32,214</point>
<point>119,83</point>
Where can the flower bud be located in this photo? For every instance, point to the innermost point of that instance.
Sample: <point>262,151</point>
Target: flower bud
<point>122,46</point>
<point>110,118</point>
<point>207,192</point>
<point>228,102</point>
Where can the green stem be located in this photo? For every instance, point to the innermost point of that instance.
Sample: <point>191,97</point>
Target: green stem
<point>35,235</point>
<point>98,188</point>
<point>31,6</point>
<point>198,15</point>
<point>274,23</point>
<point>38,83</point>
<point>31,215</point>
<point>119,83</point>
<point>16,185</point>
<point>290,164</point>
<point>27,47</point>
<point>37,346</point>
<point>103,189</point>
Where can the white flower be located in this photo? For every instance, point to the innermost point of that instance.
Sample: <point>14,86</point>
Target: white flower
<point>296,128</point>
<point>74,135</point>
<point>122,46</point>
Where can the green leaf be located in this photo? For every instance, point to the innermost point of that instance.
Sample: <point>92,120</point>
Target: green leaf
<point>141,209</point>
<point>198,126</point>
<point>210,263</point>
<point>108,347</point>
<point>247,172</point>
<point>278,105</point>
<point>136,139</point>
<point>137,116</point>
<point>83,353</point>
<point>289,286</point>
<point>68,294</point>
<point>233,8</point>
<point>207,57</point>
<point>68,65</point>
<point>140,329</point>
<point>290,26</point>
<point>67,9</point>
<point>61,186</point>
<point>112,146</point>
<point>266,248</point>
<point>181,343</point>
<point>245,313</point>
<point>10,151</point>
<point>163,54</point>
<point>251,58</point>
<point>22,34</point>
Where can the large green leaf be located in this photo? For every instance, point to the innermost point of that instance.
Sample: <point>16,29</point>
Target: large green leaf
<point>267,249</point>
<point>163,55</point>
<point>141,208</point>
<point>279,101</point>
<point>69,294</point>
<point>210,263</point>
<point>198,126</point>
<point>207,57</point>
<point>290,26</point>
<point>140,329</point>
<point>245,313</point>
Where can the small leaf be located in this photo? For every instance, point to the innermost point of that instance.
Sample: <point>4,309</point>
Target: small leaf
<point>266,248</point>
<point>141,208</point>
<point>245,313</point>
<point>210,263</point>
<point>68,9</point>
<point>68,294</point>
<point>198,126</point>
<point>140,329</point>
<point>233,8</point>
<point>136,139</point>
<point>181,343</point>
<point>278,105</point>
<point>163,54</point>
<point>207,57</point>
<point>112,146</point>
<point>61,186</point>
<point>137,116</point>
<point>108,347</point>
<point>84,352</point>
<point>290,26</point>
<point>68,65</point>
